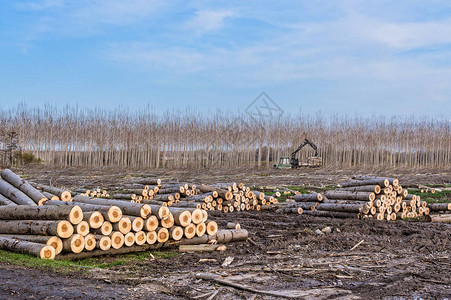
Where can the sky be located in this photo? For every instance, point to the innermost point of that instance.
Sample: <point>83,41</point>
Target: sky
<point>347,57</point>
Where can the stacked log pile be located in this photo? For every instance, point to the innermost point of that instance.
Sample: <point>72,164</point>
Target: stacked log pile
<point>365,197</point>
<point>225,197</point>
<point>49,223</point>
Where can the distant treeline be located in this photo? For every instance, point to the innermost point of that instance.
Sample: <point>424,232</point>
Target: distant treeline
<point>187,138</point>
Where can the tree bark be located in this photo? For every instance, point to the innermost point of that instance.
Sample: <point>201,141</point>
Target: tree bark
<point>110,213</point>
<point>332,214</point>
<point>434,206</point>
<point>446,218</point>
<point>350,195</point>
<point>53,241</point>
<point>308,197</point>
<point>363,188</point>
<point>6,202</point>
<point>383,182</point>
<point>128,208</point>
<point>354,208</point>
<point>62,194</point>
<point>73,214</point>
<point>14,194</point>
<point>36,249</point>
<point>23,186</point>
<point>62,229</point>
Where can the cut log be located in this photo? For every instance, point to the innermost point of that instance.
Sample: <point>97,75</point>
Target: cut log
<point>82,228</point>
<point>94,219</point>
<point>201,248</point>
<point>308,197</point>
<point>102,242</point>
<point>117,240</point>
<point>6,202</point>
<point>201,228</point>
<point>221,237</point>
<point>181,216</point>
<point>73,214</point>
<point>125,196</point>
<point>369,203</point>
<point>164,197</point>
<point>292,210</point>
<point>333,214</point>
<point>62,194</point>
<point>212,227</point>
<point>62,229</point>
<point>363,188</point>
<point>129,239</point>
<point>176,233</point>
<point>50,196</point>
<point>162,235</point>
<point>151,223</point>
<point>353,208</point>
<point>304,205</point>
<point>224,194</point>
<point>383,182</point>
<point>161,212</point>
<point>137,223</point>
<point>344,195</point>
<point>128,208</point>
<point>434,206</point>
<point>232,236</point>
<point>111,213</point>
<point>168,222</point>
<point>53,241</point>
<point>74,244</point>
<point>90,242</point>
<point>190,231</point>
<point>105,229</point>
<point>445,218</point>
<point>36,249</point>
<point>124,226</point>
<point>23,186</point>
<point>205,215</point>
<point>14,194</point>
<point>151,237</point>
<point>140,238</point>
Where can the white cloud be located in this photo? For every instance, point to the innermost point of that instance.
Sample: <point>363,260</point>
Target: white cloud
<point>116,12</point>
<point>207,20</point>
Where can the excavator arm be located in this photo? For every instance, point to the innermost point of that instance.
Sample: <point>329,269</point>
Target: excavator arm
<point>294,160</point>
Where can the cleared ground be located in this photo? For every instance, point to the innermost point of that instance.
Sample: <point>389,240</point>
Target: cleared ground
<point>285,255</point>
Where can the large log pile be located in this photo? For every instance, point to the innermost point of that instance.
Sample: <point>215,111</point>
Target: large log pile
<point>226,197</point>
<point>366,197</point>
<point>81,226</point>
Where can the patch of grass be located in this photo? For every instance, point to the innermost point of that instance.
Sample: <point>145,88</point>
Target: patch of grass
<point>330,187</point>
<point>35,262</point>
<point>437,197</point>
<point>299,189</point>
<point>66,266</point>
<point>165,254</point>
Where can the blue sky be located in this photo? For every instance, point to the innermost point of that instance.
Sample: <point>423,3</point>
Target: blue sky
<point>386,57</point>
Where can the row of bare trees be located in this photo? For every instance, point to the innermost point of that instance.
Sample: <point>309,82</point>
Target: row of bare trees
<point>188,138</point>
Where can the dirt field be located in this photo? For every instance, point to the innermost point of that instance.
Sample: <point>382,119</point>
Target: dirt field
<point>396,260</point>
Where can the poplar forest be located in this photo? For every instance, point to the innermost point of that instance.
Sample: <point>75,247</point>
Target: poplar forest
<point>186,138</point>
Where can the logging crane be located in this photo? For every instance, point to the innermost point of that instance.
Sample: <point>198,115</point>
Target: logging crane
<point>293,163</point>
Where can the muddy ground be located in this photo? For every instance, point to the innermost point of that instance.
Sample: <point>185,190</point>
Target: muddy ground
<point>396,260</point>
